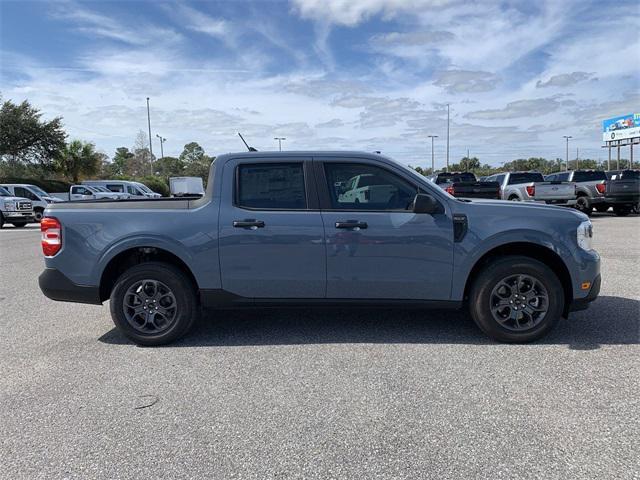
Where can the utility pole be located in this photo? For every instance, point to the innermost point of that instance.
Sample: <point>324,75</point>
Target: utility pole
<point>162,140</point>
<point>577,159</point>
<point>609,160</point>
<point>467,159</point>
<point>447,167</point>
<point>280,139</point>
<point>433,163</point>
<point>566,164</point>
<point>149,123</point>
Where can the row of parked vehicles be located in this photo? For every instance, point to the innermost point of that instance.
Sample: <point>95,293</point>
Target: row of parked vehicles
<point>25,203</point>
<point>585,190</point>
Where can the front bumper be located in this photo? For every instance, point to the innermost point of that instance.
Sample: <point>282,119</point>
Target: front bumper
<point>583,303</point>
<point>55,285</point>
<point>17,215</point>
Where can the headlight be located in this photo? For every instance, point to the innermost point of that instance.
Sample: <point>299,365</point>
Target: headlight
<point>10,206</point>
<point>585,235</point>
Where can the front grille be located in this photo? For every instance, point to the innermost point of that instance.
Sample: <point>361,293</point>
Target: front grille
<point>24,206</point>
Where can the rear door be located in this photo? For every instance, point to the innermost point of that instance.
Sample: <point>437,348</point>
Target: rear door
<point>270,229</point>
<point>380,249</point>
<point>78,192</point>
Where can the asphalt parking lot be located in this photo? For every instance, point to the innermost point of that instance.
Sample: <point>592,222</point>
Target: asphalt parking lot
<point>320,393</point>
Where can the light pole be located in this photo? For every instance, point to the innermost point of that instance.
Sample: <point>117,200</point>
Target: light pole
<point>447,167</point>
<point>149,123</point>
<point>566,164</point>
<point>433,163</point>
<point>162,140</point>
<point>279,142</point>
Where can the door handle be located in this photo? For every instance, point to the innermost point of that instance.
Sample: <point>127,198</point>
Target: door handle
<point>249,223</point>
<point>351,224</point>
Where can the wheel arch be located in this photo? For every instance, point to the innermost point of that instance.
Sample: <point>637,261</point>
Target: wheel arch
<point>130,257</point>
<point>534,251</point>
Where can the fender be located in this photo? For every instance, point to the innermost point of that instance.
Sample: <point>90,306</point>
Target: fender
<point>147,240</point>
<point>466,254</point>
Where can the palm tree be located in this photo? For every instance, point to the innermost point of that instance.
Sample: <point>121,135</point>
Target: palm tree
<point>78,158</point>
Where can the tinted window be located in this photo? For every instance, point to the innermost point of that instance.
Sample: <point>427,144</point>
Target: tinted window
<point>115,188</point>
<point>498,178</point>
<point>589,176</point>
<point>564,177</point>
<point>80,191</point>
<point>455,177</point>
<point>551,178</point>
<point>366,187</point>
<point>271,186</point>
<point>517,178</point>
<point>4,192</point>
<point>23,192</point>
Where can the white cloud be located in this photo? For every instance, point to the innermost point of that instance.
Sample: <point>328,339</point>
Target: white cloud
<point>459,81</point>
<point>521,108</point>
<point>564,79</point>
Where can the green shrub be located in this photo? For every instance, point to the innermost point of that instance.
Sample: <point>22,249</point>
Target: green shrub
<point>49,186</point>
<point>156,184</point>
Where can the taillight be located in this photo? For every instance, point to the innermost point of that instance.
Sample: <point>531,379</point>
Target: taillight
<point>531,190</point>
<point>600,187</point>
<point>51,231</point>
<point>450,190</point>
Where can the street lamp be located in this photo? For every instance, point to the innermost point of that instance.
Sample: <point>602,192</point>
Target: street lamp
<point>280,139</point>
<point>566,165</point>
<point>433,163</point>
<point>162,140</point>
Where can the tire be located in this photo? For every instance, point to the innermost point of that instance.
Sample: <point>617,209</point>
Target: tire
<point>38,213</point>
<point>486,290</point>
<point>1,220</point>
<point>19,224</point>
<point>514,198</point>
<point>174,290</point>
<point>602,208</point>
<point>584,205</point>
<point>622,211</point>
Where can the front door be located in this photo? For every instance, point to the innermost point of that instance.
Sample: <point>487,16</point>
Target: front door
<point>271,232</point>
<point>377,248</point>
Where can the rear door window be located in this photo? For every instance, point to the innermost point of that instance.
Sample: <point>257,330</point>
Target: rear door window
<point>274,186</point>
<point>593,176</point>
<point>114,187</point>
<point>526,177</point>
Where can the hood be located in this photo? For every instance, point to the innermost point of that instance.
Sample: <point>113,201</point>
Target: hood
<point>51,199</point>
<point>15,199</point>
<point>527,208</point>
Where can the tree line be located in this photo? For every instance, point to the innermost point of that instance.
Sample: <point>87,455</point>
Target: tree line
<point>37,151</point>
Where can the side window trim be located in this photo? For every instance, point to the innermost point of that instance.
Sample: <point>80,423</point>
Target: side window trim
<point>310,191</point>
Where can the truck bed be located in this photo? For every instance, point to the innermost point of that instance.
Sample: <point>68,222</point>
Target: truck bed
<point>555,192</point>
<point>166,203</point>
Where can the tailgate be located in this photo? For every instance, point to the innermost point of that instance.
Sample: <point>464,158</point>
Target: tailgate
<point>615,188</point>
<point>555,191</point>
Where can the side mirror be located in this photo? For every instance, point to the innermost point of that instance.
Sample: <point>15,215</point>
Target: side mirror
<point>424,203</point>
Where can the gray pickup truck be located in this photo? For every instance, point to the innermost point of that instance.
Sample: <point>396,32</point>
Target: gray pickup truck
<point>590,188</point>
<point>532,187</point>
<point>277,229</point>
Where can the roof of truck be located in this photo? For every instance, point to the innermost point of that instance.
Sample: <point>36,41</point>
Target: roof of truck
<point>301,153</point>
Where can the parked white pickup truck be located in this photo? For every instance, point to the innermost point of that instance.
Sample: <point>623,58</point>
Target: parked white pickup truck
<point>367,188</point>
<point>90,192</point>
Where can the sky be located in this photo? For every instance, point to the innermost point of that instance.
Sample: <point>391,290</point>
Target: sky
<point>369,75</point>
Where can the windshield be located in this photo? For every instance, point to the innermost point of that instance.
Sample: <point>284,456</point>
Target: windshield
<point>143,187</point>
<point>526,177</point>
<point>39,191</point>
<point>4,192</point>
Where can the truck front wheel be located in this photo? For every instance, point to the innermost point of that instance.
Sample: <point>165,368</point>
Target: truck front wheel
<point>516,299</point>
<point>154,303</point>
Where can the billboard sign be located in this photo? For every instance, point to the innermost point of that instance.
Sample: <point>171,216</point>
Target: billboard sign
<point>621,128</point>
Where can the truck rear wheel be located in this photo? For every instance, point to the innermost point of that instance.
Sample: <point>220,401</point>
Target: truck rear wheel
<point>584,205</point>
<point>154,303</point>
<point>516,299</point>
